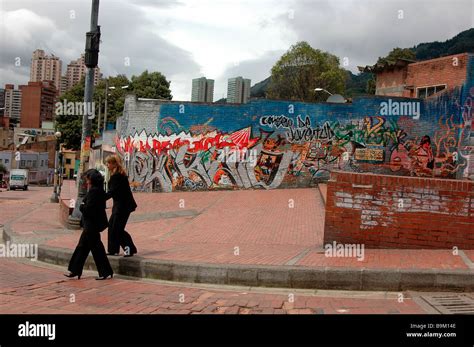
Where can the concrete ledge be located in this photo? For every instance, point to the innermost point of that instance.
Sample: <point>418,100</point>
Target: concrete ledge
<point>277,276</point>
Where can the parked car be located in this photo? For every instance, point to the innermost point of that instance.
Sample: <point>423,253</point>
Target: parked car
<point>18,179</point>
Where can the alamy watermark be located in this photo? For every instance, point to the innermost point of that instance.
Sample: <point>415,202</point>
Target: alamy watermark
<point>400,108</point>
<point>37,330</point>
<point>78,108</point>
<point>243,155</point>
<point>19,250</point>
<point>344,250</point>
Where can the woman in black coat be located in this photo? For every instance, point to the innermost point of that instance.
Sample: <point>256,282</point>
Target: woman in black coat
<point>124,204</point>
<point>94,220</point>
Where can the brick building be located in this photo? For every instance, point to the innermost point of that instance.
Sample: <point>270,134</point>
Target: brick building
<point>37,105</point>
<point>422,79</point>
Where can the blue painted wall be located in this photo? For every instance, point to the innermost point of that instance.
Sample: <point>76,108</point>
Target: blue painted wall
<point>354,137</point>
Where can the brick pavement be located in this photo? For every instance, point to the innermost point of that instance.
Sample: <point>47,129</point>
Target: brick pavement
<point>31,287</point>
<point>257,227</point>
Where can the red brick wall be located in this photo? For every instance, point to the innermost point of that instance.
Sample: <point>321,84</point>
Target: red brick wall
<point>389,79</point>
<point>438,71</point>
<point>425,73</point>
<point>30,106</point>
<point>399,212</point>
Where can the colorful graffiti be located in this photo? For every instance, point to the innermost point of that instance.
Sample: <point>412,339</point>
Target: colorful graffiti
<point>212,160</point>
<point>286,151</point>
<point>437,158</point>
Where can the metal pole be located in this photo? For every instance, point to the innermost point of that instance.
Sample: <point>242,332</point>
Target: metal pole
<point>61,168</point>
<point>75,217</point>
<point>55,197</point>
<point>106,102</point>
<point>100,109</point>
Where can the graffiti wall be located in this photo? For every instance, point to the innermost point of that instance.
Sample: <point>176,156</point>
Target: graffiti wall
<point>270,144</point>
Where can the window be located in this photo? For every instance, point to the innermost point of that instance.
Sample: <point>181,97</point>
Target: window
<point>28,163</point>
<point>426,92</point>
<point>34,163</point>
<point>22,163</point>
<point>7,161</point>
<point>68,161</point>
<point>1,161</point>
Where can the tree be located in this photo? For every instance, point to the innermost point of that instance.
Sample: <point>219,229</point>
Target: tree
<point>302,69</point>
<point>151,85</point>
<point>371,86</point>
<point>70,125</point>
<point>3,169</point>
<point>397,53</point>
<point>148,85</point>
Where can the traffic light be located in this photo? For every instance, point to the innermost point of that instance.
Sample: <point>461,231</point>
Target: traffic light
<point>92,48</point>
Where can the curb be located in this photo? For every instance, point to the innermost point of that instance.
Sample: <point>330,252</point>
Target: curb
<point>275,276</point>
<point>323,199</point>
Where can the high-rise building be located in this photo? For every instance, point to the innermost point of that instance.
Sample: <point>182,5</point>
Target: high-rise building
<point>63,87</point>
<point>45,68</point>
<point>2,102</point>
<point>238,90</point>
<point>37,104</point>
<point>203,90</point>
<point>76,69</point>
<point>12,104</point>
<point>4,121</point>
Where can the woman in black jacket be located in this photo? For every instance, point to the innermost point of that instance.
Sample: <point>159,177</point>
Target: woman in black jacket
<point>124,204</point>
<point>94,220</point>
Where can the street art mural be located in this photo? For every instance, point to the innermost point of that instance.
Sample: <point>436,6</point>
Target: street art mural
<point>267,144</point>
<point>285,151</point>
<point>186,162</point>
<point>437,158</point>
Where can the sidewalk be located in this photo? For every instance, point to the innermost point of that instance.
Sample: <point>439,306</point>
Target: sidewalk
<point>280,229</point>
<point>43,290</point>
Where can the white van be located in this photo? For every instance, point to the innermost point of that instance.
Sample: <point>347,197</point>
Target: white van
<point>18,179</point>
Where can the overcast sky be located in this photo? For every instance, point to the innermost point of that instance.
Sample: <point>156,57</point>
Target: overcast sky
<point>219,39</point>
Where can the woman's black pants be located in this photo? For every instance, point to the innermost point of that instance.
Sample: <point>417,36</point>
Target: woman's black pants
<point>118,236</point>
<point>90,242</point>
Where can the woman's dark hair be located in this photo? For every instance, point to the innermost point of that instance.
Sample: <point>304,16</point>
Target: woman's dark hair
<point>96,178</point>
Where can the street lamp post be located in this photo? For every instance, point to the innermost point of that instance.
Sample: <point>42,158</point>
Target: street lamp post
<point>55,196</point>
<point>61,170</point>
<point>322,90</point>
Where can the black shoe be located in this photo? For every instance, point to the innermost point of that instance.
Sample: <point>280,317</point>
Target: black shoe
<point>72,275</point>
<point>101,278</point>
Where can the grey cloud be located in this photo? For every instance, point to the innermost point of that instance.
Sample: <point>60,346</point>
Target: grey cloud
<point>157,3</point>
<point>126,33</point>
<point>365,30</point>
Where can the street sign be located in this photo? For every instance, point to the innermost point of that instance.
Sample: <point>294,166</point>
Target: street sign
<point>17,156</point>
